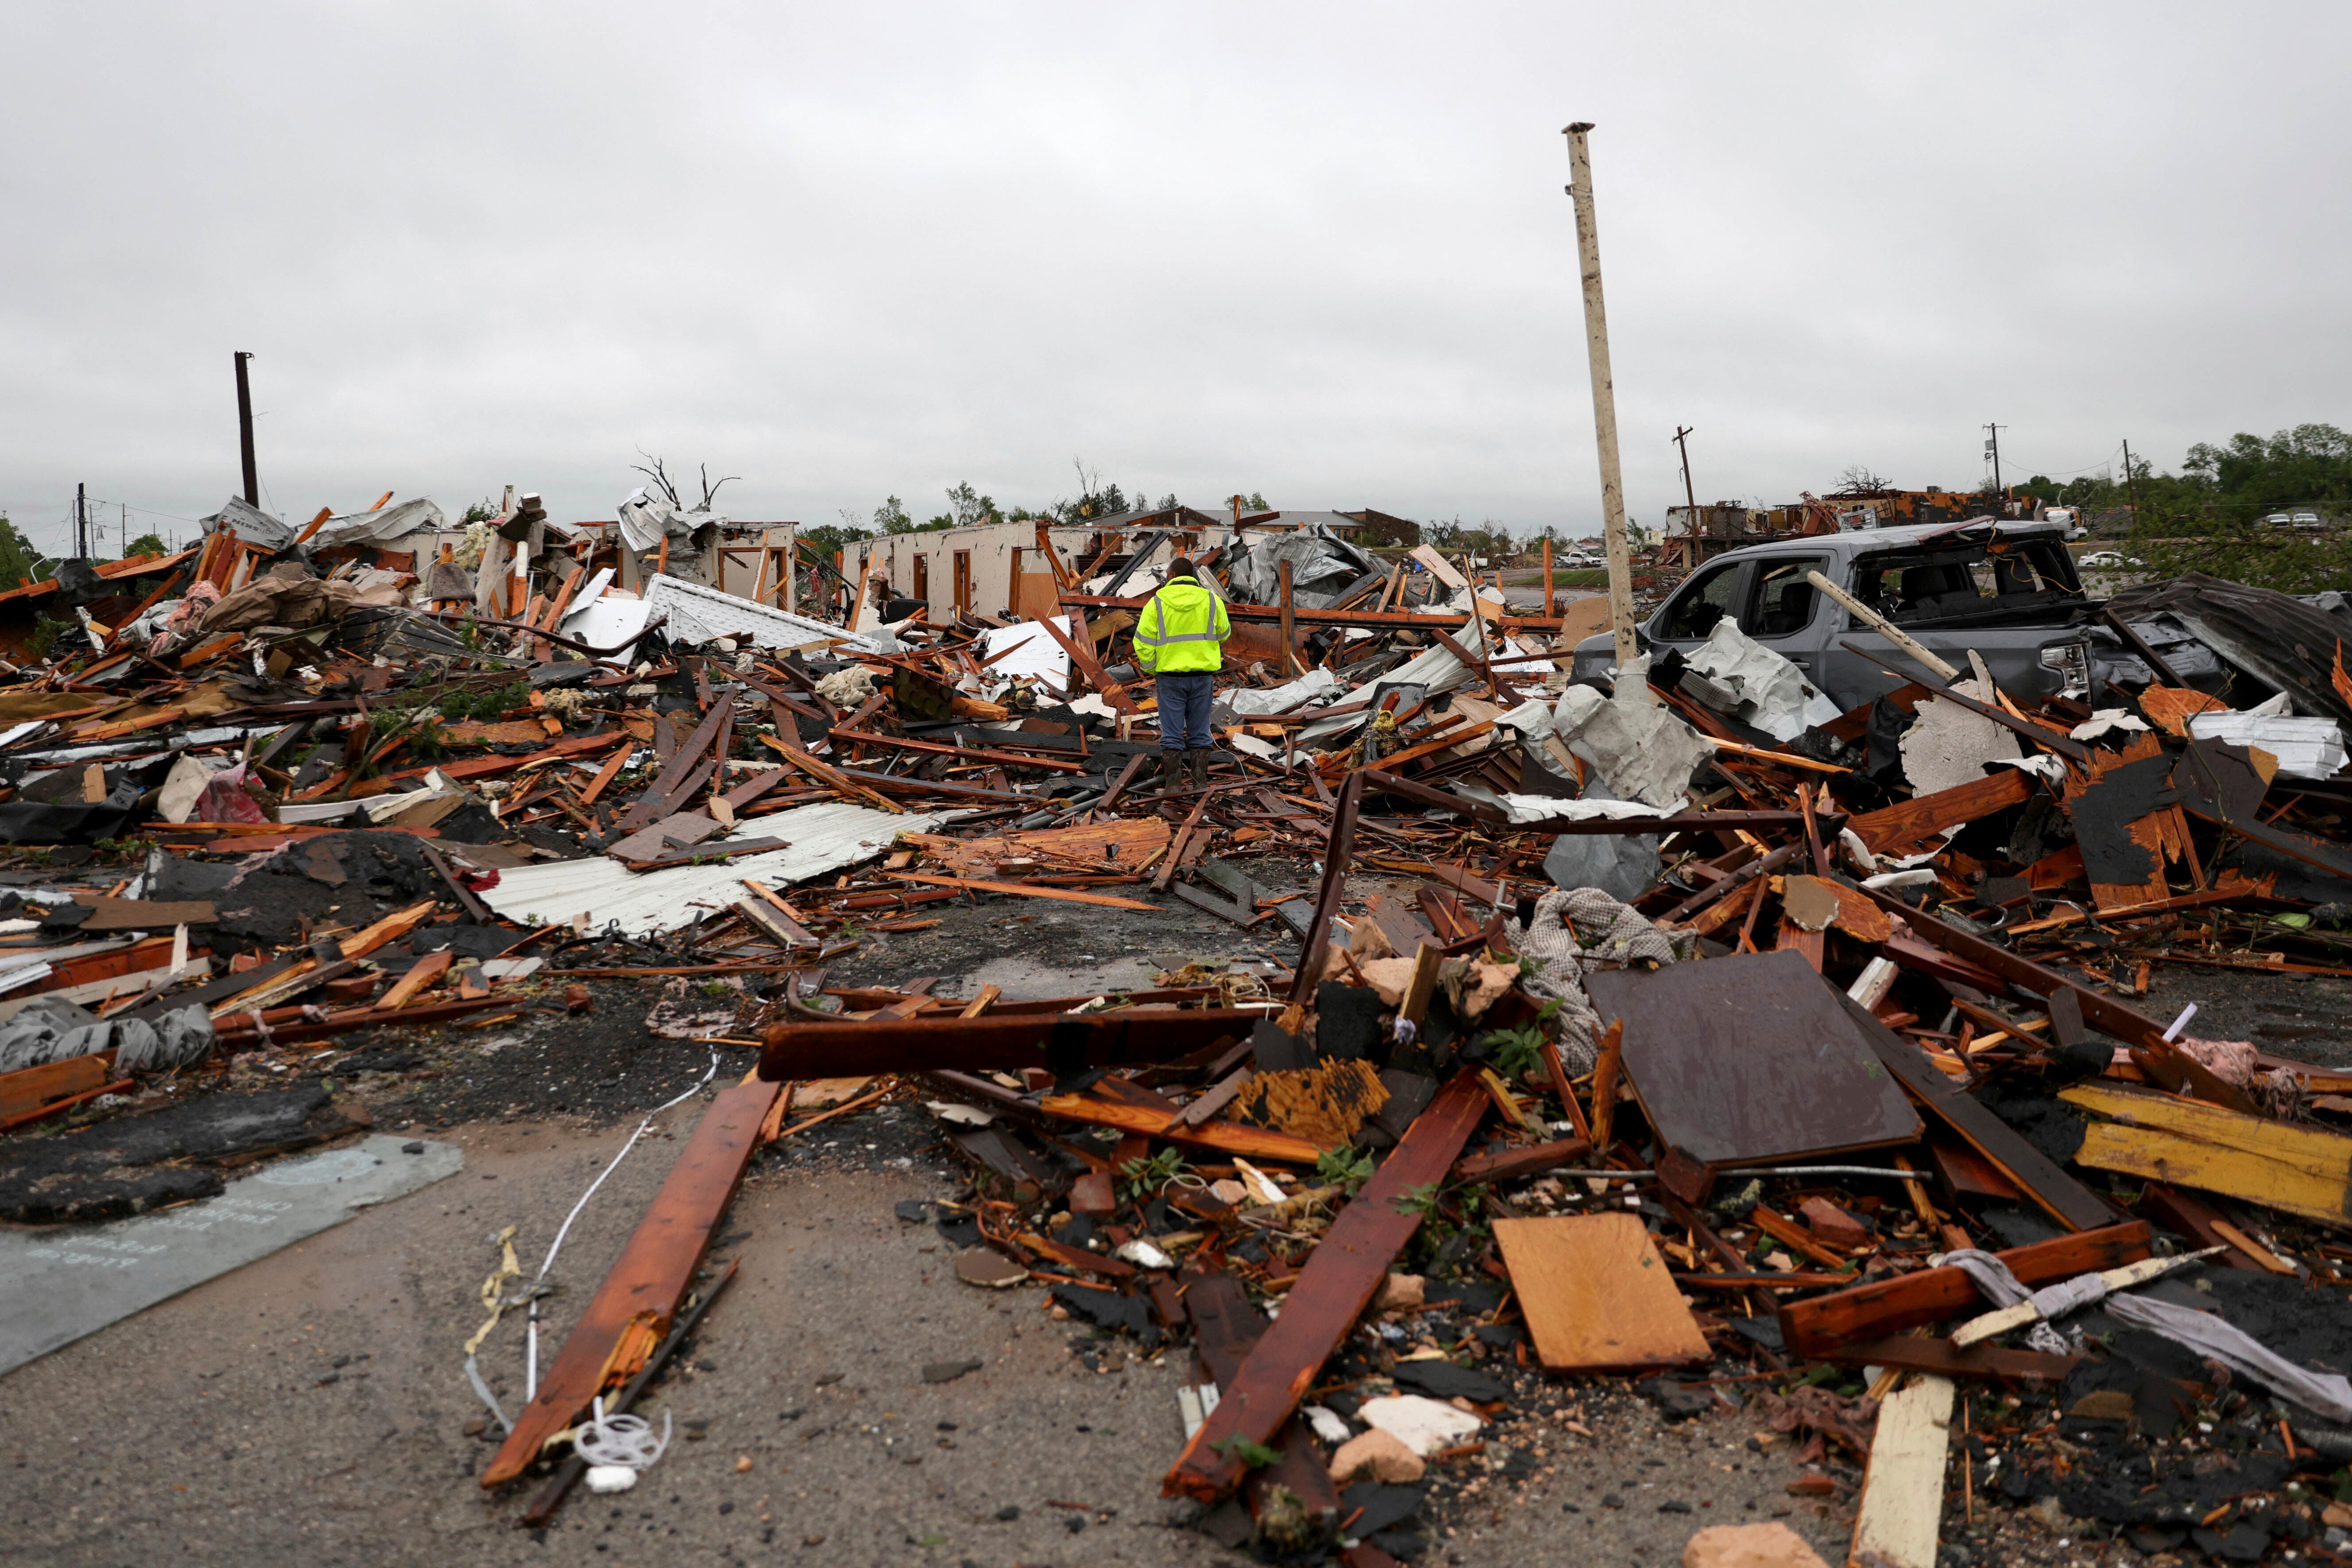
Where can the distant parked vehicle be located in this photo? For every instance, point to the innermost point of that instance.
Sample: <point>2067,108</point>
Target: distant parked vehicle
<point>2109,560</point>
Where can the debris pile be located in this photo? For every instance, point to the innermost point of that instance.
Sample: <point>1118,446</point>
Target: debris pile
<point>1703,1040</point>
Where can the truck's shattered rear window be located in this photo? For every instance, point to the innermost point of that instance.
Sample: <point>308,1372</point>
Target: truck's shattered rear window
<point>1967,583</point>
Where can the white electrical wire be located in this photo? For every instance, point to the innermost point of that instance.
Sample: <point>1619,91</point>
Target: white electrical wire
<point>531,1364</point>
<point>531,1361</point>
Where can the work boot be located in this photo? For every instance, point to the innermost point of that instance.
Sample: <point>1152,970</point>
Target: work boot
<point>1164,775</point>
<point>1199,758</point>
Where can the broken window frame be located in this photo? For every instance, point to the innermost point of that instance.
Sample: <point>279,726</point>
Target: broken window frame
<point>1736,574</point>
<point>2044,559</point>
<point>1783,570</point>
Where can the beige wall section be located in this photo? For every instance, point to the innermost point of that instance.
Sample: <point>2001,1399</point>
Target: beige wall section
<point>991,547</point>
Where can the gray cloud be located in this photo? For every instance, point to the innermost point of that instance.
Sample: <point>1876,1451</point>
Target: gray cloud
<point>1318,251</point>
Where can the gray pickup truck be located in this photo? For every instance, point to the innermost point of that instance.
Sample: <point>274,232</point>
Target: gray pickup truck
<point>2006,590</point>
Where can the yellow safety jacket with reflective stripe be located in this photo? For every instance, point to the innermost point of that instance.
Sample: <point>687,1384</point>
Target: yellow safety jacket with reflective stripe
<point>1180,630</point>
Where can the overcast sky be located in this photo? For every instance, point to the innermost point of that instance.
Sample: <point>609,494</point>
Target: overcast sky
<point>1321,252</point>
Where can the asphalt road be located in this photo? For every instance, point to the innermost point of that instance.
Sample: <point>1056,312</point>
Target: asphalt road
<point>312,1407</point>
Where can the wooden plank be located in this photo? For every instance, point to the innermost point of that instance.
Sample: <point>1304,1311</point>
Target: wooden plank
<point>420,976</point>
<point>1509,1164</point>
<point>1226,1137</point>
<point>1905,1353</point>
<point>59,1107</point>
<point>1024,890</point>
<point>2311,1149</point>
<point>1909,821</point>
<point>2275,1182</point>
<point>650,1279</point>
<point>1331,1292</point>
<point>1596,1294</point>
<point>2036,1176</point>
<point>1226,1327</point>
<point>481,767</point>
<point>2192,1217</point>
<point>826,774</point>
<point>1006,1039</point>
<point>1821,1326</point>
<point>1902,1487</point>
<point>24,1092</point>
<point>2163,1061</point>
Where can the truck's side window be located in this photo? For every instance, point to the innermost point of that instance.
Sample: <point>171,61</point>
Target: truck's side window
<point>1705,600</point>
<point>1913,590</point>
<point>1784,597</point>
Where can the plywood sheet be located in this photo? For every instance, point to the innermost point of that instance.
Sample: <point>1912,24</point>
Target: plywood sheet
<point>1751,1058</point>
<point>1596,1294</point>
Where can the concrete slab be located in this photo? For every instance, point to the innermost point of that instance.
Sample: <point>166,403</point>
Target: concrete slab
<point>58,1284</point>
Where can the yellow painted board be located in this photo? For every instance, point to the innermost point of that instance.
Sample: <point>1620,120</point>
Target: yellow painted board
<point>2308,1149</point>
<point>2166,1157</point>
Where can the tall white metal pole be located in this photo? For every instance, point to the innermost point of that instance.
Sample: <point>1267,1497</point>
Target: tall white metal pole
<point>1604,402</point>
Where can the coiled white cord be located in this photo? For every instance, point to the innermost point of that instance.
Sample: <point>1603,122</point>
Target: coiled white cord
<point>624,1440</point>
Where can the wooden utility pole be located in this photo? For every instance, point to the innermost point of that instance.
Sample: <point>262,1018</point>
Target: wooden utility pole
<point>245,431</point>
<point>2131,484</point>
<point>1690,539</point>
<point>1604,402</point>
<point>1289,620</point>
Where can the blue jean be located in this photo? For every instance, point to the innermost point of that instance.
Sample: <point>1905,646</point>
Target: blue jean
<point>1184,710</point>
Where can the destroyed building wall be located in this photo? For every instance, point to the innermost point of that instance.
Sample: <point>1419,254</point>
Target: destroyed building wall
<point>973,568</point>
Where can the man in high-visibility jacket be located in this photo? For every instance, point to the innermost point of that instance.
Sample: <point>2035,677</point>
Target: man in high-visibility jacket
<point>1178,640</point>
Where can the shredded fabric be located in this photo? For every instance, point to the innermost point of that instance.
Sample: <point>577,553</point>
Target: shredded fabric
<point>2207,1333</point>
<point>2326,1394</point>
<point>1573,932</point>
<point>2005,1290</point>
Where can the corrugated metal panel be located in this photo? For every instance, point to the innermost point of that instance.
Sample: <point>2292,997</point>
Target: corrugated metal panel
<point>698,613</point>
<point>819,838</point>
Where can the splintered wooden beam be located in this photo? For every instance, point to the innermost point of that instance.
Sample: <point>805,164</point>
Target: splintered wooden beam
<point>1337,852</point>
<point>2032,1172</point>
<point>1226,1328</point>
<point>1224,1136</point>
<point>1330,1294</point>
<point>651,1277</point>
<point>2305,1171</point>
<point>1025,890</point>
<point>1907,821</point>
<point>1065,1043</point>
<point>1903,1488</point>
<point>1823,1325</point>
<point>2161,1059</point>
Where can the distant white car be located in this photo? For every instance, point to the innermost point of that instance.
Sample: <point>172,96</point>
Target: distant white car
<point>2109,560</point>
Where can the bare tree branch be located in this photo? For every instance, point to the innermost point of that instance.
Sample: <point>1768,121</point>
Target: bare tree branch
<point>659,475</point>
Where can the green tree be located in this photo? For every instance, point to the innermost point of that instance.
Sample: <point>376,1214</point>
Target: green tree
<point>967,508</point>
<point>2309,465</point>
<point>890,517</point>
<point>147,544</point>
<point>2210,517</point>
<point>19,562</point>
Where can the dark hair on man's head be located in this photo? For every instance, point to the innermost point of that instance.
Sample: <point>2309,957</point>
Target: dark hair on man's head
<point>1180,567</point>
